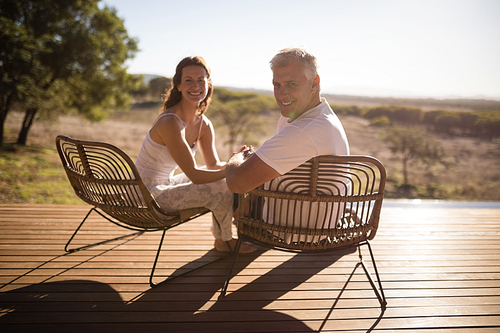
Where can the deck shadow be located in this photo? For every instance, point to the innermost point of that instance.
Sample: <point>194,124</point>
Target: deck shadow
<point>186,304</point>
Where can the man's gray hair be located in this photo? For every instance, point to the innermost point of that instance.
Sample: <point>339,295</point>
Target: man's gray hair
<point>286,56</point>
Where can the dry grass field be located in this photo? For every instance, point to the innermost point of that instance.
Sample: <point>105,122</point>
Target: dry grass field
<point>473,173</point>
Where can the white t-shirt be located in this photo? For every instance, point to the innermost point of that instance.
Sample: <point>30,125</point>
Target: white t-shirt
<point>316,132</point>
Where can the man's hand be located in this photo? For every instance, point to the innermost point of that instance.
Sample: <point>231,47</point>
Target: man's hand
<point>245,174</point>
<point>247,152</point>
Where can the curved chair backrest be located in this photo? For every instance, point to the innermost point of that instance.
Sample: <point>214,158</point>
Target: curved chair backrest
<point>104,176</point>
<point>328,202</point>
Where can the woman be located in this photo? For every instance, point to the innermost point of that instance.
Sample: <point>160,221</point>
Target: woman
<point>172,141</point>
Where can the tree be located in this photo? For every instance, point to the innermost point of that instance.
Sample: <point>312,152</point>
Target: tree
<point>407,116</point>
<point>158,87</point>
<point>448,122</point>
<point>59,55</point>
<point>379,111</point>
<point>487,124</point>
<point>241,115</point>
<point>413,143</point>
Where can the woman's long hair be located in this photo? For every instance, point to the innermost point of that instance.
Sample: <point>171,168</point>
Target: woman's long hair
<point>173,95</point>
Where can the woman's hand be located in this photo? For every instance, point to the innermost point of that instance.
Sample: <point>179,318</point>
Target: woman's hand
<point>246,151</point>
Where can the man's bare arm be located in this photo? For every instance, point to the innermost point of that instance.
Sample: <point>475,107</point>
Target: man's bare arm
<point>243,175</point>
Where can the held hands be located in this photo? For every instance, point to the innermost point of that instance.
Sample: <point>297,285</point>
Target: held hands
<point>246,151</point>
<point>240,156</point>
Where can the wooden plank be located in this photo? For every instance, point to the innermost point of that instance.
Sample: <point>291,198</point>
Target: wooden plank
<point>439,267</point>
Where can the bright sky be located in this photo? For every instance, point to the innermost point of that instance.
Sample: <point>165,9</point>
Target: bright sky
<point>398,48</point>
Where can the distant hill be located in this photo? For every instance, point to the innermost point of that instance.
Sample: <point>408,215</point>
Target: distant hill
<point>149,77</point>
<point>249,90</point>
<point>426,104</point>
<point>459,104</point>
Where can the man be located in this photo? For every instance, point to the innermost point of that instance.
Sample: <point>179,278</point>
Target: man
<point>307,126</point>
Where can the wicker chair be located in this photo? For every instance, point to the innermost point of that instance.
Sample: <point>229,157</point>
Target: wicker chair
<point>328,203</point>
<point>105,177</point>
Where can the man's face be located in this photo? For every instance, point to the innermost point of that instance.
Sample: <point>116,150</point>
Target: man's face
<point>293,92</point>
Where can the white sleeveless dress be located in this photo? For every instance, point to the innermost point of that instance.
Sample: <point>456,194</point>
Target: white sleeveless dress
<point>175,192</point>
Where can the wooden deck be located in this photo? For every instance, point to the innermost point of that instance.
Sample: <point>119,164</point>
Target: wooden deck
<point>440,269</point>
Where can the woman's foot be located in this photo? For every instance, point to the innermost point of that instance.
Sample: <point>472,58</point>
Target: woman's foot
<point>222,246</point>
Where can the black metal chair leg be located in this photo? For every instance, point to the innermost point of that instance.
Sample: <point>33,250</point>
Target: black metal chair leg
<point>77,229</point>
<point>94,244</point>
<point>235,256</point>
<point>151,283</point>
<point>384,301</point>
<point>379,292</point>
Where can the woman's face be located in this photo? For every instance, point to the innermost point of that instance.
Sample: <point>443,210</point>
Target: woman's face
<point>194,84</point>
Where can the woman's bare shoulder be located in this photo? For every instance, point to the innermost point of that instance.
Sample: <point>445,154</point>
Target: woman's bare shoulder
<point>167,127</point>
<point>206,121</point>
<point>170,120</point>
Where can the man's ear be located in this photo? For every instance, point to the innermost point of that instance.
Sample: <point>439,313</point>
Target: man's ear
<point>315,83</point>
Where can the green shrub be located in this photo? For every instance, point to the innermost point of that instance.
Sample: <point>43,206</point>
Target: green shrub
<point>381,121</point>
